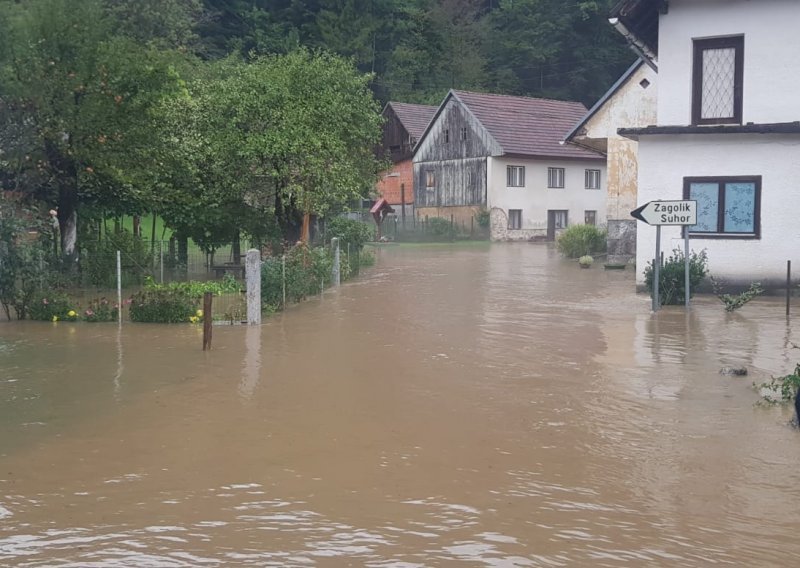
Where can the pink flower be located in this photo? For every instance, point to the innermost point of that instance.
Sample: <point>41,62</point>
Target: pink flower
<point>45,302</point>
<point>89,313</point>
<point>129,301</point>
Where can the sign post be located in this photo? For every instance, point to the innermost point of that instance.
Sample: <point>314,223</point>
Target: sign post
<point>673,213</point>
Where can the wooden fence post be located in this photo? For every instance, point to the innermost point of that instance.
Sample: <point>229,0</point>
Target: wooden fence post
<point>207,318</point>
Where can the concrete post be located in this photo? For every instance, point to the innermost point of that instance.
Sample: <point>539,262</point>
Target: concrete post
<point>336,273</point>
<point>253,283</point>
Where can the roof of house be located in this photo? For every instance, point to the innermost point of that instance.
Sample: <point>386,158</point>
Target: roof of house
<point>525,126</point>
<point>599,104</point>
<point>414,118</point>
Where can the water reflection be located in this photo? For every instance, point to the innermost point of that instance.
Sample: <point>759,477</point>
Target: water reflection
<point>494,406</point>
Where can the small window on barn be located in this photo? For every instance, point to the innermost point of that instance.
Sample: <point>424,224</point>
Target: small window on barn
<point>644,83</point>
<point>464,133</point>
<point>590,217</point>
<point>430,179</point>
<point>514,219</point>
<point>592,179</point>
<point>515,176</point>
<point>446,136</point>
<point>555,177</point>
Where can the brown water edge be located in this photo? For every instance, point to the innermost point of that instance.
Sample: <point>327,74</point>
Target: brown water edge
<point>500,407</point>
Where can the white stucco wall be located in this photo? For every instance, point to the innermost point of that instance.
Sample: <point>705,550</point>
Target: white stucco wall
<point>630,106</point>
<point>535,199</point>
<point>665,160</point>
<point>771,45</point>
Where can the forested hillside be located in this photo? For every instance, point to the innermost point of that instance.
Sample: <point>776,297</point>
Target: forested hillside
<point>418,49</point>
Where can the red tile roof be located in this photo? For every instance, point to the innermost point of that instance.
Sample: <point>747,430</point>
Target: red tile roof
<point>526,126</point>
<point>415,118</point>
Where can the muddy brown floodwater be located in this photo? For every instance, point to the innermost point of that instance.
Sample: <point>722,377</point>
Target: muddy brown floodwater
<point>490,406</point>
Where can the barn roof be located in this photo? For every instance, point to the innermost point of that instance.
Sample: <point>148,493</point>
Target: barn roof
<point>525,126</point>
<point>413,117</point>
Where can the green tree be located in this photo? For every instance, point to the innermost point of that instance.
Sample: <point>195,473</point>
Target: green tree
<point>82,98</point>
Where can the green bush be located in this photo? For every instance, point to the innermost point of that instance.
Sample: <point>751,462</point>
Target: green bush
<point>196,289</point>
<point>581,240</point>
<point>733,302</point>
<point>101,310</point>
<point>157,304</point>
<point>672,289</point>
<point>440,227</point>
<point>349,231</point>
<point>483,218</point>
<point>307,271</point>
<point>53,306</point>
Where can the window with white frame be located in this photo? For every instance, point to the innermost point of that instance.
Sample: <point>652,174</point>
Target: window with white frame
<point>718,80</point>
<point>555,177</point>
<point>727,207</point>
<point>592,179</point>
<point>515,219</point>
<point>515,176</point>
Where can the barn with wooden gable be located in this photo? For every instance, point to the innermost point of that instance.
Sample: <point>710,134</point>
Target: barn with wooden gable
<point>403,125</point>
<point>505,153</point>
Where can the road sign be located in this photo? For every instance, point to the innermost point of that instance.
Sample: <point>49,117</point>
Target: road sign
<point>667,213</point>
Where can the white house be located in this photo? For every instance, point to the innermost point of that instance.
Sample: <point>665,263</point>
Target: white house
<point>727,131</point>
<point>630,102</point>
<point>505,153</point>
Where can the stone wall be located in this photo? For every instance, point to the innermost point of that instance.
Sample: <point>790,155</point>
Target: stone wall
<point>621,241</point>
<point>499,230</point>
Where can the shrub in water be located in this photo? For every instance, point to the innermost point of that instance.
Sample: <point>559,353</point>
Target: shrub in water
<point>349,231</point>
<point>672,289</point>
<point>581,240</point>
<point>440,227</point>
<point>101,310</point>
<point>162,305</point>
<point>735,301</point>
<point>54,306</point>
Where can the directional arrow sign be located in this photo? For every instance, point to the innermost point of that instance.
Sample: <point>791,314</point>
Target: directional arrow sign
<point>667,213</point>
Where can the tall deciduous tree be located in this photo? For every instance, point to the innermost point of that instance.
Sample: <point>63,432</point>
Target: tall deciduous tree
<point>84,97</point>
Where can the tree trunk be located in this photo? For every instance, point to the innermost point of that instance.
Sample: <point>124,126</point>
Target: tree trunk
<point>183,250</point>
<point>305,232</point>
<point>137,226</point>
<point>68,217</point>
<point>237,247</point>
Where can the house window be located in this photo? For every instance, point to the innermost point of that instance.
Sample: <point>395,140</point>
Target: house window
<point>446,136</point>
<point>515,219</point>
<point>728,207</point>
<point>718,80</point>
<point>515,176</point>
<point>592,179</point>
<point>430,179</point>
<point>590,217</point>
<point>560,219</point>
<point>555,177</point>
<point>464,133</point>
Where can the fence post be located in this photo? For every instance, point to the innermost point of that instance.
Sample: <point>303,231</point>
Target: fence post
<point>119,287</point>
<point>788,285</point>
<point>161,259</point>
<point>207,318</point>
<point>253,283</point>
<point>336,275</point>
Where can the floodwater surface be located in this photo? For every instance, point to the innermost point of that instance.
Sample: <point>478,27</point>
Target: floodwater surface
<point>486,406</point>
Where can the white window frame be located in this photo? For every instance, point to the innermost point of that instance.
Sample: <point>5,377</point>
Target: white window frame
<point>515,176</point>
<point>556,177</point>
<point>591,179</point>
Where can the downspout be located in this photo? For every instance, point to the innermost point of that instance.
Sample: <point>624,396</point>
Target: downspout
<point>637,45</point>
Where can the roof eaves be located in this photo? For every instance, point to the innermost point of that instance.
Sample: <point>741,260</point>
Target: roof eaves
<point>599,104</point>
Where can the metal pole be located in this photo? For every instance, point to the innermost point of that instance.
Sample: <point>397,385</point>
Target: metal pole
<point>403,204</point>
<point>657,270</point>
<point>253,279</point>
<point>788,285</point>
<point>686,267</point>
<point>161,259</point>
<point>119,287</point>
<point>337,272</point>
<point>283,279</point>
